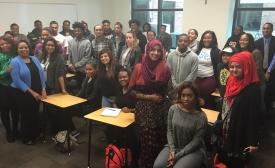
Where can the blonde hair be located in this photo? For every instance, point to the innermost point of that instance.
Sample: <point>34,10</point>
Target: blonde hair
<point>135,42</point>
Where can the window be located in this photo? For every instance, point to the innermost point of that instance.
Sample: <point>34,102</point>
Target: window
<point>158,12</point>
<point>252,14</point>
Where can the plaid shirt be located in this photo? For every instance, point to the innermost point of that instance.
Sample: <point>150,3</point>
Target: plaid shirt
<point>38,50</point>
<point>97,46</point>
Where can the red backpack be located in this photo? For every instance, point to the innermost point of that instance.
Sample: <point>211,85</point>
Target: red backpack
<point>115,158</point>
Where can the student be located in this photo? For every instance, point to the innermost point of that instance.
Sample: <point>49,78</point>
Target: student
<point>194,43</point>
<point>131,53</point>
<point>9,34</point>
<point>16,36</point>
<point>107,31</point>
<point>151,35</point>
<point>118,39</point>
<point>28,87</point>
<point>87,32</point>
<point>209,57</point>
<point>183,62</point>
<point>134,26</point>
<point>151,86</point>
<point>233,40</point>
<point>145,28</point>
<point>246,43</point>
<point>58,37</point>
<point>187,124</point>
<point>79,53</point>
<point>35,36</point>
<point>53,65</point>
<point>241,105</point>
<point>165,38</point>
<point>47,32</point>
<point>100,43</point>
<point>66,31</point>
<point>7,103</point>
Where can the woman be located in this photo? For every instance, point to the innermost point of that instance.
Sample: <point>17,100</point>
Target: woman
<point>151,86</point>
<point>16,36</point>
<point>240,112</point>
<point>151,35</point>
<point>131,53</point>
<point>108,79</point>
<point>187,124</point>
<point>53,66</point>
<point>28,87</point>
<point>7,103</point>
<point>246,43</point>
<point>145,28</point>
<point>209,57</point>
<point>194,43</point>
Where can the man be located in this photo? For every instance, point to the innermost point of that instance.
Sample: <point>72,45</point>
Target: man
<point>79,53</point>
<point>118,39</point>
<point>58,37</point>
<point>66,31</point>
<point>87,33</point>
<point>266,45</point>
<point>165,38</point>
<point>134,25</point>
<point>234,39</point>
<point>107,31</point>
<point>183,62</point>
<point>35,36</point>
<point>100,42</point>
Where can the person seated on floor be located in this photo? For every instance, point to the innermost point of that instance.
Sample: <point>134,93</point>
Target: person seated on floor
<point>114,133</point>
<point>90,92</point>
<point>186,126</point>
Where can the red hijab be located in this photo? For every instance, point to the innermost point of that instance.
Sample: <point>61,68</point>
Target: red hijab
<point>235,85</point>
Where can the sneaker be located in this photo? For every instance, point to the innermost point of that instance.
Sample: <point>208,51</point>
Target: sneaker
<point>273,104</point>
<point>10,137</point>
<point>75,134</point>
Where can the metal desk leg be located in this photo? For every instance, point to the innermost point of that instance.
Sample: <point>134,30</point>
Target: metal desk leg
<point>69,146</point>
<point>89,144</point>
<point>44,123</point>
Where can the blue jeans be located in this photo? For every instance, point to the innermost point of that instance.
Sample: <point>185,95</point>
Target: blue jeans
<point>107,101</point>
<point>263,107</point>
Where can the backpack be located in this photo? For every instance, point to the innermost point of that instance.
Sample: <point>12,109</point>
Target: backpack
<point>115,157</point>
<point>61,141</point>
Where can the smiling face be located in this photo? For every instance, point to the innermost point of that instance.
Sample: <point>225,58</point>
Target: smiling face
<point>226,57</point>
<point>151,36</point>
<point>105,59</point>
<point>15,30</point>
<point>5,46</point>
<point>23,50</point>
<point>244,42</point>
<point>45,34</point>
<point>236,70</point>
<point>134,27</point>
<point>89,70</point>
<point>123,78</point>
<point>129,38</point>
<point>187,98</point>
<point>207,40</point>
<point>50,47</point>
<point>155,53</point>
<point>192,35</point>
<point>98,31</point>
<point>182,43</point>
<point>146,27</point>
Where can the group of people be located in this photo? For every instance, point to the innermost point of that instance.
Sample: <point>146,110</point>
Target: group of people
<point>165,90</point>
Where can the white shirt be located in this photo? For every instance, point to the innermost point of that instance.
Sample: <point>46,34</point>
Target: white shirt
<point>44,68</point>
<point>68,38</point>
<point>61,39</point>
<point>205,67</point>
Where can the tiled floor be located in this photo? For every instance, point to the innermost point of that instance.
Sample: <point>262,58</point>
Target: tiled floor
<point>45,155</point>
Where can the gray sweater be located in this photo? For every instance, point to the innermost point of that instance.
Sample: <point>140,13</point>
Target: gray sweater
<point>184,66</point>
<point>79,53</point>
<point>185,132</point>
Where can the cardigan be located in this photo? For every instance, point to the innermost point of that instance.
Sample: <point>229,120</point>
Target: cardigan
<point>54,71</point>
<point>21,76</point>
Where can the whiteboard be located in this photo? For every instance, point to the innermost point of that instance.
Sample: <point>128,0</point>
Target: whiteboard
<point>24,14</point>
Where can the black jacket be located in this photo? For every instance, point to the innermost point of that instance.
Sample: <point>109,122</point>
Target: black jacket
<point>232,41</point>
<point>108,34</point>
<point>33,37</point>
<point>142,41</point>
<point>223,75</point>
<point>70,31</point>
<point>135,57</point>
<point>120,46</point>
<point>89,35</point>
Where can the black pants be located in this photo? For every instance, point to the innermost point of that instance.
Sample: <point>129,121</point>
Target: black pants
<point>29,110</point>
<point>7,104</point>
<point>79,78</point>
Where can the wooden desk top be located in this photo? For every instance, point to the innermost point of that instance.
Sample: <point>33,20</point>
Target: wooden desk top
<point>62,100</point>
<point>211,115</point>
<point>69,75</point>
<point>122,120</point>
<point>216,94</point>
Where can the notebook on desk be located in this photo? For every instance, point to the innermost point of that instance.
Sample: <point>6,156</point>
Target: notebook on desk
<point>110,112</point>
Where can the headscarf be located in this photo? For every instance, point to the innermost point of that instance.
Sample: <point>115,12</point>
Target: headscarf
<point>235,85</point>
<point>151,74</point>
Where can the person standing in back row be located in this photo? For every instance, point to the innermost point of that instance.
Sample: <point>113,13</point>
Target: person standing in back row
<point>107,31</point>
<point>58,37</point>
<point>35,36</point>
<point>165,38</point>
<point>134,24</point>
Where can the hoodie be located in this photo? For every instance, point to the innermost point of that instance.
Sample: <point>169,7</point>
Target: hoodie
<point>108,34</point>
<point>184,66</point>
<point>89,35</point>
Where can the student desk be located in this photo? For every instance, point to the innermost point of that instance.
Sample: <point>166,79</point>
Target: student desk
<point>211,115</point>
<point>122,120</point>
<point>69,75</point>
<point>63,101</point>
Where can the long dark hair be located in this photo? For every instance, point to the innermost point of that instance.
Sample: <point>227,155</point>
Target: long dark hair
<point>111,65</point>
<point>214,39</point>
<point>17,44</point>
<point>11,42</point>
<point>54,54</point>
<point>187,84</point>
<point>251,44</point>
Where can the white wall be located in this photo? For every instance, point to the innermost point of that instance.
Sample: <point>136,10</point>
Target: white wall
<point>216,15</point>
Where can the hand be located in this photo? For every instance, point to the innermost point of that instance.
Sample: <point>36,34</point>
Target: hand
<point>267,75</point>
<point>43,94</point>
<point>73,68</point>
<point>64,92</point>
<point>36,96</point>
<point>217,91</point>
<point>9,69</point>
<point>253,149</point>
<point>126,110</point>
<point>171,160</point>
<point>156,98</point>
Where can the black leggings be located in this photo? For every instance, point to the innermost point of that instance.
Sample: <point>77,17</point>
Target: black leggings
<point>8,104</point>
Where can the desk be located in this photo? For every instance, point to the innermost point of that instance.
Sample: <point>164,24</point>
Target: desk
<point>69,75</point>
<point>63,101</point>
<point>211,115</point>
<point>216,94</point>
<point>122,120</point>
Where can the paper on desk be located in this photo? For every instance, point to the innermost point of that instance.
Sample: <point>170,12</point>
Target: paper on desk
<point>110,112</point>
